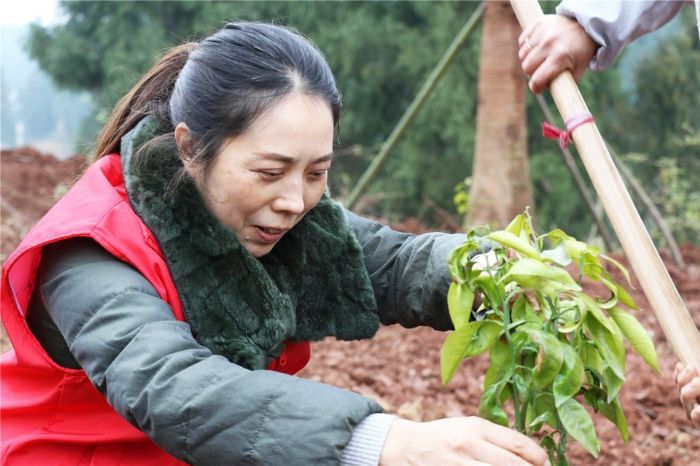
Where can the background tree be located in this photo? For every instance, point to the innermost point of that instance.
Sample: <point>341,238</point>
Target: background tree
<point>500,177</point>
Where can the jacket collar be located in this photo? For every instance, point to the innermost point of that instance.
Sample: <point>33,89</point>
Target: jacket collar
<point>313,284</point>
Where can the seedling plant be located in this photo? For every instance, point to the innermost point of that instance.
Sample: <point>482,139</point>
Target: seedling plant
<point>552,346</point>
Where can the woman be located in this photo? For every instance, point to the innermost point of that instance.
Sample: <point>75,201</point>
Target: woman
<point>201,250</point>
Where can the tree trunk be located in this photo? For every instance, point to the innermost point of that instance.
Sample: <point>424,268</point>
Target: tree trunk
<point>500,175</point>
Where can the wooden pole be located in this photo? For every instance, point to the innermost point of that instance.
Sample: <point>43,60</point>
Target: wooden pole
<point>673,317</point>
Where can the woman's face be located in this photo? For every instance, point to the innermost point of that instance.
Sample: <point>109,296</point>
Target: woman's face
<point>265,180</point>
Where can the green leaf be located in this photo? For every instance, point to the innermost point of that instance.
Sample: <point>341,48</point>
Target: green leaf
<point>523,310</point>
<point>592,360</point>
<point>622,268</point>
<point>593,309</point>
<point>521,386</point>
<point>579,425</point>
<point>568,381</point>
<point>514,242</point>
<point>460,299</point>
<point>492,291</point>
<point>579,250</point>
<point>558,236</point>
<point>467,341</point>
<point>621,420</point>
<point>594,397</point>
<point>636,335</point>
<point>530,273</point>
<point>591,267</point>
<point>625,297</point>
<point>570,316</point>
<point>612,286</point>
<point>549,356</point>
<point>457,271</point>
<point>619,294</point>
<point>613,411</point>
<point>519,225</point>
<point>611,383</point>
<point>537,423</point>
<point>490,406</point>
<point>501,364</point>
<point>558,254</point>
<point>610,345</point>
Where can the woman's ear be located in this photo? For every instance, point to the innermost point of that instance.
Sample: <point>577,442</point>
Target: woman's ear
<point>183,138</point>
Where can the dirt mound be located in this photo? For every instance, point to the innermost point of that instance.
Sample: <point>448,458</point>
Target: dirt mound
<point>401,368</point>
<point>30,183</point>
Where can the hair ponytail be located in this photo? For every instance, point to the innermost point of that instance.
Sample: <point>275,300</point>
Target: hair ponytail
<point>150,95</point>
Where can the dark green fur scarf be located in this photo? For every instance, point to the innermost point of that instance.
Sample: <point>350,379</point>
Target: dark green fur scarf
<point>313,284</point>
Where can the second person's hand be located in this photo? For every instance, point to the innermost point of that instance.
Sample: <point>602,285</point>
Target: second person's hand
<point>551,45</point>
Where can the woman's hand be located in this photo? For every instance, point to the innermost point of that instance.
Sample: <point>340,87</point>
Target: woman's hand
<point>688,382</point>
<point>463,441</point>
<point>551,45</point>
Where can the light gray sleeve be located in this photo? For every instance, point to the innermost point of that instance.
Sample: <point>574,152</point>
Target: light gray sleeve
<point>615,23</point>
<point>365,447</point>
<point>197,406</point>
<point>408,272</point>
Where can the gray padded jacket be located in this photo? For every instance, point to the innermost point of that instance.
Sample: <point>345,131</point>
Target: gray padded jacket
<point>94,312</point>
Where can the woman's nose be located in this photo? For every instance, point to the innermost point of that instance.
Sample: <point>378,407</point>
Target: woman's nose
<point>290,200</point>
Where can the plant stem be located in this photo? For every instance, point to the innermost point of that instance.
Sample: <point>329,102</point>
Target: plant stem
<point>523,415</point>
<point>516,408</point>
<point>561,446</point>
<point>519,418</point>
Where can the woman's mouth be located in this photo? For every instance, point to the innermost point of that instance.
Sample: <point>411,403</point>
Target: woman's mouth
<point>268,234</point>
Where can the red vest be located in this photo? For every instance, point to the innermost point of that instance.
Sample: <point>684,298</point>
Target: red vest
<point>54,416</point>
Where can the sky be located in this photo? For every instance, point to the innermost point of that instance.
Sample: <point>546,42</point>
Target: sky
<point>18,12</point>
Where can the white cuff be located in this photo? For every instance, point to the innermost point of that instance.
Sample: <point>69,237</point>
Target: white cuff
<point>367,441</point>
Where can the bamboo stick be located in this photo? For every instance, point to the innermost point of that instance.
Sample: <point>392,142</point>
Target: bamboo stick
<point>412,110</point>
<point>666,302</point>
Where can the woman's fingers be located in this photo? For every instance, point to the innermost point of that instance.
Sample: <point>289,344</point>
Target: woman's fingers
<point>516,443</point>
<point>458,441</point>
<point>492,454</point>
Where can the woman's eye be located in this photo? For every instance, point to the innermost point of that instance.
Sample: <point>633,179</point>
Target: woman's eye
<point>270,174</point>
<point>319,173</point>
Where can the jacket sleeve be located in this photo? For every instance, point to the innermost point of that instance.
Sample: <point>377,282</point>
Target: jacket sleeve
<point>197,406</point>
<point>408,272</point>
<point>615,23</point>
